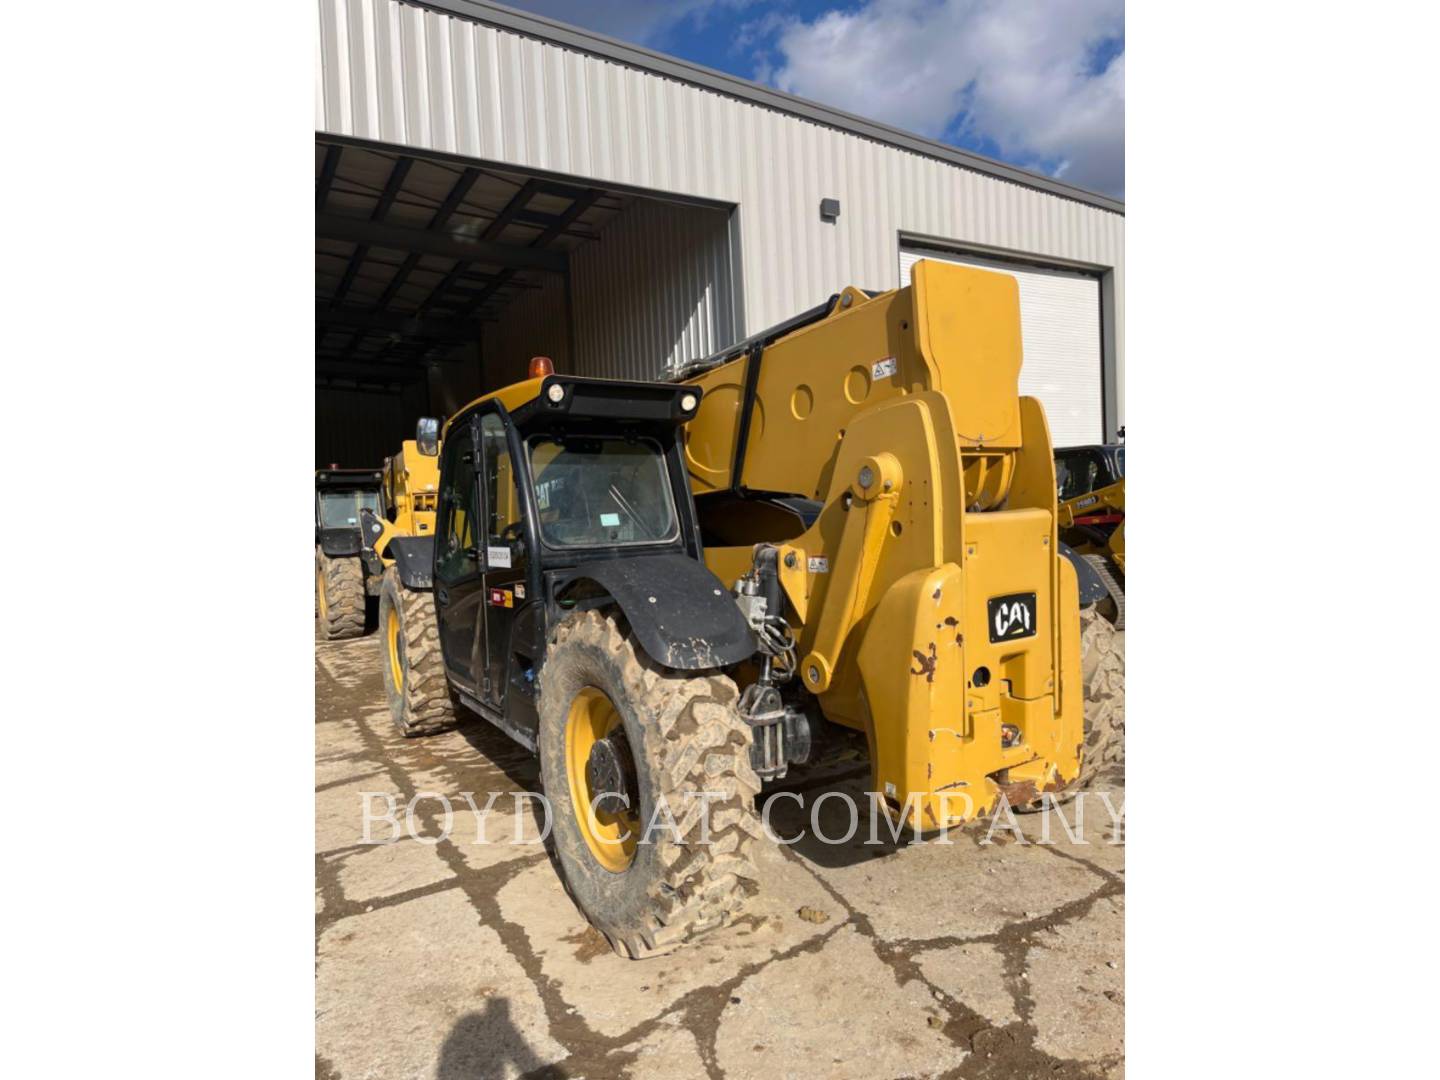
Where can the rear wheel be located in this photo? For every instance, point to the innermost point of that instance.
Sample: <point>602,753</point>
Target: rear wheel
<point>1102,664</point>
<point>412,667</point>
<point>339,596</point>
<point>627,746</point>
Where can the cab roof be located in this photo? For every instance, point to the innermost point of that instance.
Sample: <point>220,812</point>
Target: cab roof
<point>590,403</point>
<point>347,477</point>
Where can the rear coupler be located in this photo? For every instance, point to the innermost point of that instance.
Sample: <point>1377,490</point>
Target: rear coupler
<point>781,731</point>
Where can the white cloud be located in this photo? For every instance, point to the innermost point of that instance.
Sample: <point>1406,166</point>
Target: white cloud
<point>1019,73</point>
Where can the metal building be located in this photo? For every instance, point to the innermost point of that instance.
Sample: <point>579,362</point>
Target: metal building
<point>492,185</point>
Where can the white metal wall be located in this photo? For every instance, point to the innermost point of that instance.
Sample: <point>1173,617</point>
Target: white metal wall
<point>400,74</point>
<point>653,292</point>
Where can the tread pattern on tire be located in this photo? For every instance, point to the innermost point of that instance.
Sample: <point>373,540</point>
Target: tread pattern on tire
<point>696,742</point>
<point>1102,566</point>
<point>344,596</point>
<point>424,704</point>
<point>1102,665</point>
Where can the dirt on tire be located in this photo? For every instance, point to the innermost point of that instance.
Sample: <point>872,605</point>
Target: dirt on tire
<point>1102,663</point>
<point>339,596</point>
<point>421,703</point>
<point>687,738</point>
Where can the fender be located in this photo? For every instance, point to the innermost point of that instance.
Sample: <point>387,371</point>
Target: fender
<point>372,531</point>
<point>681,613</point>
<point>340,542</point>
<point>1092,589</point>
<point>414,560</point>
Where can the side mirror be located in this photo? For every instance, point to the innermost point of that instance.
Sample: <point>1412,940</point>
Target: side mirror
<point>427,436</point>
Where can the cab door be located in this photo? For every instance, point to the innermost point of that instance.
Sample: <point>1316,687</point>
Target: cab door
<point>505,554</point>
<point>459,583</point>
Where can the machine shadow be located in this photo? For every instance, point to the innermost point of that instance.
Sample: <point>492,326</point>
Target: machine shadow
<point>520,766</point>
<point>827,818</point>
<point>487,1044</point>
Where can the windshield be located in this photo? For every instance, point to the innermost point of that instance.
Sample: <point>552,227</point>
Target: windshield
<point>341,509</point>
<point>597,492</point>
<point>1075,475</point>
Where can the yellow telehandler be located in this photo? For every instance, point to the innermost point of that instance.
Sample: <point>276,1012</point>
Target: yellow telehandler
<point>672,591</point>
<point>357,513</point>
<point>409,492</point>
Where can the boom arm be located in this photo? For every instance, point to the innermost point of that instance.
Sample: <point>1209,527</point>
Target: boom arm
<point>901,414</point>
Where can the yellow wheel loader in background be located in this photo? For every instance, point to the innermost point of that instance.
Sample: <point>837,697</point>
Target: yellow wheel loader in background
<point>673,589</point>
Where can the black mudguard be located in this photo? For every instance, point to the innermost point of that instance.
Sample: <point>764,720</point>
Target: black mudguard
<point>414,560</point>
<point>681,613</point>
<point>1092,589</point>
<point>338,543</point>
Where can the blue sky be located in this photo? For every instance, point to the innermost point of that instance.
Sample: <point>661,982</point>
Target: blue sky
<point>1038,83</point>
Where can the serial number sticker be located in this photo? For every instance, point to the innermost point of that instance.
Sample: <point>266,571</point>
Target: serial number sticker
<point>497,557</point>
<point>883,369</point>
<point>819,564</point>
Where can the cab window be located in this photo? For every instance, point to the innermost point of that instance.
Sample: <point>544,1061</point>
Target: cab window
<point>341,509</point>
<point>456,529</point>
<point>502,498</point>
<point>599,492</point>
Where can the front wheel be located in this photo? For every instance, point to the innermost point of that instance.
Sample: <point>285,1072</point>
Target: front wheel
<point>339,596</point>
<point>412,667</point>
<point>648,776</point>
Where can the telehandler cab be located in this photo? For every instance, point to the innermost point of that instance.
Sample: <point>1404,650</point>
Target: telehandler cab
<point>875,547</point>
<point>341,495</point>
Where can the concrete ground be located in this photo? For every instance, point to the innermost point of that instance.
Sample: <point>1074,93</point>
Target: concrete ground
<point>449,958</point>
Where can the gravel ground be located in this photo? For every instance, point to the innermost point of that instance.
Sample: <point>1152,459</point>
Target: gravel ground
<point>454,958</point>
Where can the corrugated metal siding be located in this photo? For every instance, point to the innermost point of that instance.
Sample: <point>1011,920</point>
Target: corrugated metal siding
<point>400,74</point>
<point>357,430</point>
<point>533,324</point>
<point>653,292</point>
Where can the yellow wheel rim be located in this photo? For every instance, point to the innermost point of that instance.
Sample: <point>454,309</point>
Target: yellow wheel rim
<point>320,592</point>
<point>610,837</point>
<point>392,647</point>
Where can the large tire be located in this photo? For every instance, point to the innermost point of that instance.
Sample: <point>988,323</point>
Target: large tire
<point>1102,664</point>
<point>339,596</point>
<point>1113,606</point>
<point>684,736</point>
<point>411,663</point>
